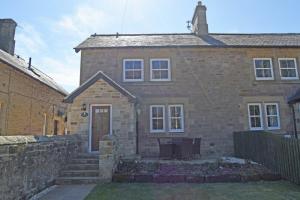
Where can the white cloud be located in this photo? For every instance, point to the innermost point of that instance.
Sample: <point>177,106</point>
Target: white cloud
<point>83,21</point>
<point>65,72</point>
<point>29,40</point>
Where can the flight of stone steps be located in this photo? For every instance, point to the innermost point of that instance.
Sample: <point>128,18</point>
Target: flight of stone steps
<point>84,169</point>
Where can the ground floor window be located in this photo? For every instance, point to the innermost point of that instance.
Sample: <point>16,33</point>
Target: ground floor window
<point>176,122</point>
<point>255,117</point>
<point>271,114</point>
<point>157,118</point>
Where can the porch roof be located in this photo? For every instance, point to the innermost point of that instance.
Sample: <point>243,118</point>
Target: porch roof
<point>294,98</point>
<point>99,75</point>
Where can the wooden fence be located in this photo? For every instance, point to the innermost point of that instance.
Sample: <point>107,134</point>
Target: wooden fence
<point>277,153</point>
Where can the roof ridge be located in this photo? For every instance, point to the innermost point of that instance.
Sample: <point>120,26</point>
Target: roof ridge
<point>154,34</point>
<point>139,34</point>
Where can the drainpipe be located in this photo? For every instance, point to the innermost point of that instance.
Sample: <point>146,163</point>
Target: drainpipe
<point>138,112</point>
<point>294,120</point>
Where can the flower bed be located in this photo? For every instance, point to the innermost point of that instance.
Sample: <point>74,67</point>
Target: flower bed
<point>222,170</point>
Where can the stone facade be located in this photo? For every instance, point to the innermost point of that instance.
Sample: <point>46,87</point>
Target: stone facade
<point>123,115</point>
<point>213,84</point>
<point>30,164</point>
<point>26,105</point>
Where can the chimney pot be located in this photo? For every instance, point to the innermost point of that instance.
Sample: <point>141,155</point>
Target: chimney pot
<point>7,35</point>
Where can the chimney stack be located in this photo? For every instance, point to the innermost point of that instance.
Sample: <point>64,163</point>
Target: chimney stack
<point>199,22</point>
<point>7,35</point>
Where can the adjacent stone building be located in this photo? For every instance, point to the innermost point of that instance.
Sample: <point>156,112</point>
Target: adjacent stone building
<point>196,85</point>
<point>30,101</point>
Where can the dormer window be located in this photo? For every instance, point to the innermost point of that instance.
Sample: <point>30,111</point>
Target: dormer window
<point>160,70</point>
<point>133,70</point>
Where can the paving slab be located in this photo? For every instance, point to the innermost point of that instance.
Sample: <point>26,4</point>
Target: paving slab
<point>68,192</point>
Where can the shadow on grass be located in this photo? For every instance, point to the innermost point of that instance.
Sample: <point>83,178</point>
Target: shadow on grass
<point>280,190</point>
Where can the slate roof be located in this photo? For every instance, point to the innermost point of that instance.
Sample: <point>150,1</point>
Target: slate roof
<point>191,40</point>
<point>20,65</point>
<point>99,75</point>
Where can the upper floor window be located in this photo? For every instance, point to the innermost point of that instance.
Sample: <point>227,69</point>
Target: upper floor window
<point>272,116</point>
<point>263,69</point>
<point>157,118</point>
<point>288,68</point>
<point>160,70</point>
<point>133,70</point>
<point>255,116</point>
<point>176,121</point>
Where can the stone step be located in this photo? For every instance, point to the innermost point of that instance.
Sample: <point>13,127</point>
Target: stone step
<point>82,167</point>
<point>80,173</point>
<point>76,180</point>
<point>84,161</point>
<point>87,155</point>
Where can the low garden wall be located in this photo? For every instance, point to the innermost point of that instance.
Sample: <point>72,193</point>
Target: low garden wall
<point>29,164</point>
<point>276,152</point>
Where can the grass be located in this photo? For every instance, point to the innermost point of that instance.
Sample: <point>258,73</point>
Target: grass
<point>280,190</point>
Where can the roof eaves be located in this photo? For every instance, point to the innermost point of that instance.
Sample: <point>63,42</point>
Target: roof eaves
<point>16,68</point>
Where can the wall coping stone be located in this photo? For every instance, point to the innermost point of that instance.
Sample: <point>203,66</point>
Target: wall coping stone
<point>13,140</point>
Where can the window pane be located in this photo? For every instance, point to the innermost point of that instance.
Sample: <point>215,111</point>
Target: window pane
<point>259,73</point>
<point>164,64</point>
<point>155,65</point>
<point>137,74</point>
<point>157,124</point>
<point>129,64</point>
<point>255,122</point>
<point>175,111</point>
<point>271,110</point>
<point>254,110</point>
<point>267,73</point>
<point>156,74</point>
<point>129,75</point>
<point>164,74</point>
<point>283,64</point>
<point>273,121</point>
<point>176,124</point>
<point>288,73</point>
<point>291,64</point>
<point>137,65</point>
<point>263,64</point>
<point>157,112</point>
<point>266,64</point>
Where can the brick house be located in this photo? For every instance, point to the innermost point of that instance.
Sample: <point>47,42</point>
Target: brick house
<point>30,101</point>
<point>141,87</point>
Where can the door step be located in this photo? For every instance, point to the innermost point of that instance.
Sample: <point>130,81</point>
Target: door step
<point>80,173</point>
<point>76,180</point>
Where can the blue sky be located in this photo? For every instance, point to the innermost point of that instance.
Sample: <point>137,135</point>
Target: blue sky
<point>49,30</point>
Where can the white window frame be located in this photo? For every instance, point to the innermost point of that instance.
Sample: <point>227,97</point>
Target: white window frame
<point>296,69</point>
<point>261,118</point>
<point>124,70</point>
<point>169,69</point>
<point>163,118</point>
<point>278,116</point>
<point>181,118</point>
<point>272,71</point>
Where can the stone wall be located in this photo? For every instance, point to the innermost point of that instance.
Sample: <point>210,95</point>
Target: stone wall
<point>213,84</point>
<point>24,102</point>
<point>29,164</point>
<point>123,115</point>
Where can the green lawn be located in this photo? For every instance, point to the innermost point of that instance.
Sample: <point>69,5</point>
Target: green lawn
<point>279,190</point>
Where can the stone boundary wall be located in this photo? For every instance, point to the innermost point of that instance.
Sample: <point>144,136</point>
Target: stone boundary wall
<point>29,164</point>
